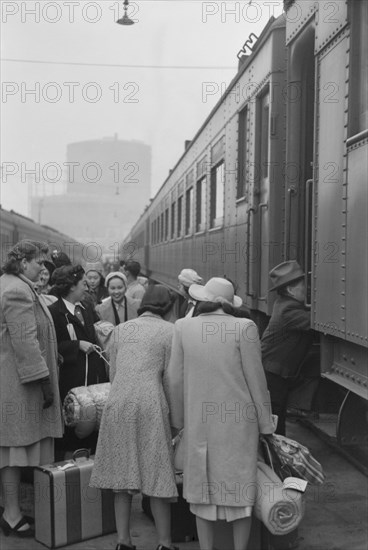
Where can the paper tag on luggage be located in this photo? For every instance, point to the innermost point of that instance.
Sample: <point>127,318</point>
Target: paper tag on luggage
<point>295,483</point>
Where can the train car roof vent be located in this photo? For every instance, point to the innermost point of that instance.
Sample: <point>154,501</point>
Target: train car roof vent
<point>242,60</point>
<point>247,49</point>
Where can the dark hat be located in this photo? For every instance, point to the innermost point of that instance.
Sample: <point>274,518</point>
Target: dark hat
<point>157,298</point>
<point>60,258</point>
<point>49,266</point>
<point>285,273</point>
<point>67,275</point>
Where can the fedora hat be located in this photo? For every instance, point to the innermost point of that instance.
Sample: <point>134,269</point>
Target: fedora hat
<point>285,273</point>
<point>215,290</point>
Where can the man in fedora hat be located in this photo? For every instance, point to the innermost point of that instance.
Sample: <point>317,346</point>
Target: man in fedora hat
<point>287,339</point>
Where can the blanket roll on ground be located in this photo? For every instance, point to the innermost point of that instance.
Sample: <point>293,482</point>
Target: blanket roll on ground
<point>279,509</point>
<point>85,404</point>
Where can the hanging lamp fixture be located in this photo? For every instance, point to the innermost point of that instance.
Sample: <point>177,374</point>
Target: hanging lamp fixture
<point>125,20</point>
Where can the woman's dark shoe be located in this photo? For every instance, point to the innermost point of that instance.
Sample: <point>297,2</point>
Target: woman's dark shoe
<point>7,529</point>
<point>124,547</point>
<point>161,547</point>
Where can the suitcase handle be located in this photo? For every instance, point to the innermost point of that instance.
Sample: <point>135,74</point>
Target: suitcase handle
<point>81,452</point>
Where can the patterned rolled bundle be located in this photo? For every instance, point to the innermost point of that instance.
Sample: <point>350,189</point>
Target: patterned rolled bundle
<point>279,509</point>
<point>85,404</point>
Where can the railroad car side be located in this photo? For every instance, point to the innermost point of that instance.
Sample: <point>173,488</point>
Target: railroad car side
<point>327,207</point>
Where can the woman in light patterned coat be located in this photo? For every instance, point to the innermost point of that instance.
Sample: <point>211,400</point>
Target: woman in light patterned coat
<point>29,393</point>
<point>134,450</point>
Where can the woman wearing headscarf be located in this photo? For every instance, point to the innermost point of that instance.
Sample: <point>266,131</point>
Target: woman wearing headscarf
<point>95,282</point>
<point>74,324</point>
<point>218,394</point>
<point>117,308</point>
<point>28,379</point>
<point>134,450</point>
<point>43,285</point>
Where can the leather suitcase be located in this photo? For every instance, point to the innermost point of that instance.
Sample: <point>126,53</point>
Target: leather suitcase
<point>67,510</point>
<point>183,522</point>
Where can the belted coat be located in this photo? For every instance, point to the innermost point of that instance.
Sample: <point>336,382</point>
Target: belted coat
<point>218,393</point>
<point>28,354</point>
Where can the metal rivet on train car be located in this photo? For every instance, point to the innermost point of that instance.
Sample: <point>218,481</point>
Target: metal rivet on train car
<point>352,360</point>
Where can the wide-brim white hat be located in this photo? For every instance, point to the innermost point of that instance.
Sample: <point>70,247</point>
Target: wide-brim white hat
<point>215,290</point>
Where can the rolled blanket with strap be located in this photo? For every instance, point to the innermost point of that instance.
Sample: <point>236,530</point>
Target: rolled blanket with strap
<point>279,509</point>
<point>85,404</point>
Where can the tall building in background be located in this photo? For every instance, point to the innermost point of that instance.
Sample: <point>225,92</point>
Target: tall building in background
<point>106,185</point>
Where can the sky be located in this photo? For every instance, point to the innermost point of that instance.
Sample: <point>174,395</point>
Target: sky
<point>170,69</point>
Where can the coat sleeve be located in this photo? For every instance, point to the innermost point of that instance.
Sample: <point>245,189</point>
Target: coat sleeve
<point>296,319</point>
<point>167,355</point>
<point>111,352</point>
<point>175,379</point>
<point>250,351</point>
<point>19,314</point>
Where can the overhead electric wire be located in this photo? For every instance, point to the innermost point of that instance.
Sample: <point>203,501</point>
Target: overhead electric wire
<point>115,65</point>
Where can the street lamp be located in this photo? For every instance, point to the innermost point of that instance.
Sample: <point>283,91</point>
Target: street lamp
<point>125,20</point>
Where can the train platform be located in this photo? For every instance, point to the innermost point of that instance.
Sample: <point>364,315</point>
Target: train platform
<point>335,518</point>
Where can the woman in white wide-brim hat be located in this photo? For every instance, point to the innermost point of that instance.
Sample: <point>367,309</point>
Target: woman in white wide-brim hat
<point>218,394</point>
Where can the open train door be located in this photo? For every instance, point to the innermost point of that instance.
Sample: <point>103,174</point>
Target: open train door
<point>299,171</point>
<point>300,100</point>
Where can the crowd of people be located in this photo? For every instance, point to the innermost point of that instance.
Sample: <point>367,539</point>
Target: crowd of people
<point>207,377</point>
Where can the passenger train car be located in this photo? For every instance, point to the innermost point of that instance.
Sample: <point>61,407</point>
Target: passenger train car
<point>279,171</point>
<point>15,227</point>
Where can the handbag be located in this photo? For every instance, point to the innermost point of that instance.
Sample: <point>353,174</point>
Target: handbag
<point>290,458</point>
<point>178,444</point>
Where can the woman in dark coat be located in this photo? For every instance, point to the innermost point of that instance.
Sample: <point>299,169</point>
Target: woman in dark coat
<point>76,338</point>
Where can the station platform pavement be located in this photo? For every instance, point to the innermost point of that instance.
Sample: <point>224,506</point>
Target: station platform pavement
<point>335,518</point>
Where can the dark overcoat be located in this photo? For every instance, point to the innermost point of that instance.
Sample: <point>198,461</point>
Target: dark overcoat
<point>73,369</point>
<point>287,338</point>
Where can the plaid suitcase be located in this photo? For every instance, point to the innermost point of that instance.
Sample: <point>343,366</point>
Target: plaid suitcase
<point>67,510</point>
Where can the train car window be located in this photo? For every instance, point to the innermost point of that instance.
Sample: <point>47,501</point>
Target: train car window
<point>189,211</point>
<point>242,184</point>
<point>153,232</point>
<point>359,69</point>
<point>264,115</point>
<point>201,204</point>
<point>217,194</point>
<point>166,224</point>
<point>162,227</point>
<point>173,220</point>
<point>218,151</point>
<point>180,216</point>
<point>157,230</point>
<point>202,167</point>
